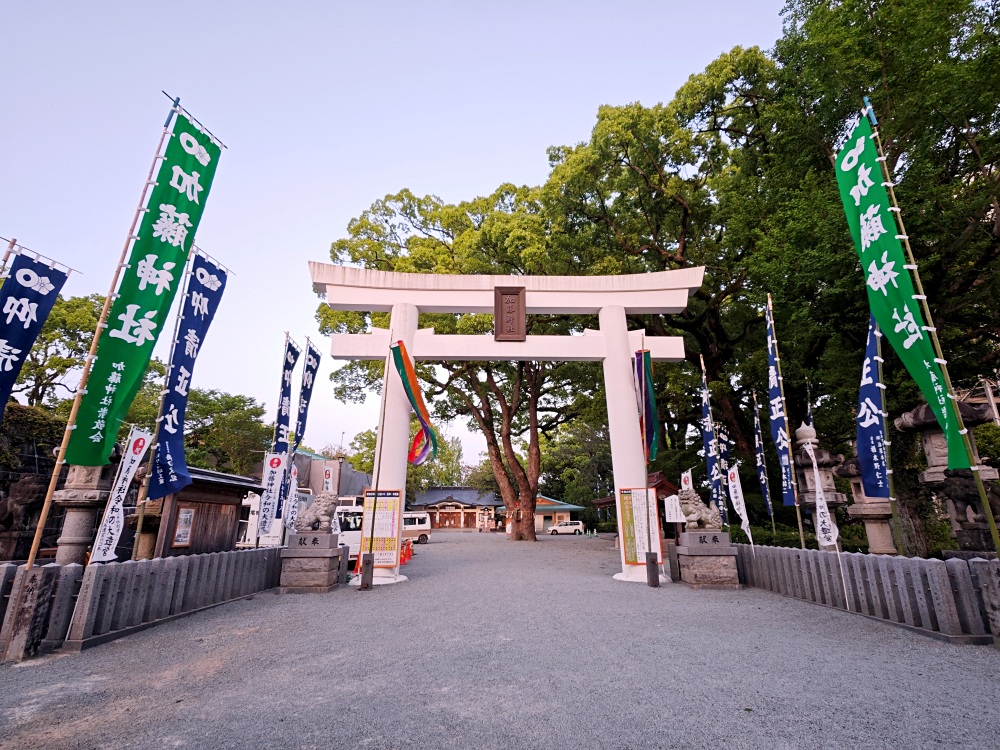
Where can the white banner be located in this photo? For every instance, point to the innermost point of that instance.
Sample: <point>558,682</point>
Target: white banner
<point>274,474</point>
<point>736,496</point>
<point>687,483</point>
<point>114,517</point>
<point>672,512</point>
<point>327,479</point>
<point>292,501</point>
<point>826,528</point>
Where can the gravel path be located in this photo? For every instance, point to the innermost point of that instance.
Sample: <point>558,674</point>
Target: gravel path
<point>496,644</point>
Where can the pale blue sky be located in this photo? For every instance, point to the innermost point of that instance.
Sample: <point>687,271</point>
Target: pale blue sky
<point>325,107</point>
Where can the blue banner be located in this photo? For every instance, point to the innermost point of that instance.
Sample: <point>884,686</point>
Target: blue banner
<point>722,438</point>
<point>871,421</point>
<point>758,444</point>
<point>711,456</point>
<point>292,353</point>
<point>305,394</point>
<point>281,428</point>
<point>776,415</point>
<point>206,284</point>
<point>28,294</point>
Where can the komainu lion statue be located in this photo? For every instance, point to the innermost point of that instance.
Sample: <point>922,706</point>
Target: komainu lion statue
<point>321,511</point>
<point>697,514</point>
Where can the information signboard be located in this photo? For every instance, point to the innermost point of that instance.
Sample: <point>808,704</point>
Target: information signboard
<point>385,510</point>
<point>640,525</point>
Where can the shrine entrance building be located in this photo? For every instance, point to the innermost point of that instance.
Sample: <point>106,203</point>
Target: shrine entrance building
<point>611,298</point>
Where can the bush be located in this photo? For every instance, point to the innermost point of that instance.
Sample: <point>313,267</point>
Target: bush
<point>852,537</point>
<point>608,526</point>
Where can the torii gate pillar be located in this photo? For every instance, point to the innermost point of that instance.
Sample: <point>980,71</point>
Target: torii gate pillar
<point>393,440</point>
<point>627,454</point>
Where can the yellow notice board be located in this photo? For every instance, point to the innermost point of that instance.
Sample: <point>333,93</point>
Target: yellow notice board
<point>385,511</point>
<point>640,525</point>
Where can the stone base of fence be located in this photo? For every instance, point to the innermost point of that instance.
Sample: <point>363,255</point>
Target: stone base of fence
<point>955,600</point>
<point>117,599</point>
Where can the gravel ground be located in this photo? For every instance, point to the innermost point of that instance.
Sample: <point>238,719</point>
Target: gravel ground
<point>496,644</point>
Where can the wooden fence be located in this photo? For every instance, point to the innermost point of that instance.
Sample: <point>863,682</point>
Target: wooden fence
<point>954,600</point>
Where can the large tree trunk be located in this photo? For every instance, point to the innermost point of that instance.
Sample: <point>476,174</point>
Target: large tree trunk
<point>523,525</point>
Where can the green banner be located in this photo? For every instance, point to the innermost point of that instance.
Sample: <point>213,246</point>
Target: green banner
<point>148,284</point>
<point>893,301</point>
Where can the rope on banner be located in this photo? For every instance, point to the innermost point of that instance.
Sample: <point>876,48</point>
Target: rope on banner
<point>192,118</point>
<point>15,248</point>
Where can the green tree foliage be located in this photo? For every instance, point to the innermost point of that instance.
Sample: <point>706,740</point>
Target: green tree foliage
<point>504,233</point>
<point>54,363</point>
<point>224,431</point>
<point>444,471</point>
<point>576,463</point>
<point>735,174</point>
<point>31,426</point>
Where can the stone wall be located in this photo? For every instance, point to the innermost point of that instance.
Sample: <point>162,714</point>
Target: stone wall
<point>953,600</point>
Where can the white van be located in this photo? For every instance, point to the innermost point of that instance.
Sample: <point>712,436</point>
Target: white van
<point>417,526</point>
<point>349,517</point>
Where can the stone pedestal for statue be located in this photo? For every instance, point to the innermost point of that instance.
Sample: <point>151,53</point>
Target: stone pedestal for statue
<point>956,490</point>
<point>83,496</point>
<point>827,462</point>
<point>310,563</point>
<point>874,512</point>
<point>707,559</point>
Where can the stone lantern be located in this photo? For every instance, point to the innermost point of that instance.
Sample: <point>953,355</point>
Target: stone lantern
<point>875,512</point>
<point>956,490</point>
<point>826,461</point>
<point>84,496</point>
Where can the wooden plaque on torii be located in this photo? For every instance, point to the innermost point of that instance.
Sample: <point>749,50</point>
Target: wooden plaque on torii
<point>510,321</point>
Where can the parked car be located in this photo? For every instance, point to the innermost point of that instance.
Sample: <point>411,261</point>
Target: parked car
<point>567,527</point>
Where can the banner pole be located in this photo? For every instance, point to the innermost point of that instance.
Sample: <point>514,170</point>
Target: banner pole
<point>935,342</point>
<point>715,437</point>
<point>274,438</point>
<point>89,359</point>
<point>294,446</point>
<point>767,482</point>
<point>6,254</point>
<point>784,408</point>
<point>897,532</point>
<point>140,502</point>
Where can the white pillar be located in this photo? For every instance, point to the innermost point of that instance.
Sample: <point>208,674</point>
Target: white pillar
<point>393,440</point>
<point>627,456</point>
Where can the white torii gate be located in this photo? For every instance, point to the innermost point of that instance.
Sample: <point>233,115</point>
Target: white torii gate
<point>406,295</point>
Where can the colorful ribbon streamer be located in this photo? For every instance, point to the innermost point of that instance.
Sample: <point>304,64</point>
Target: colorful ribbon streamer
<point>649,422</point>
<point>425,441</point>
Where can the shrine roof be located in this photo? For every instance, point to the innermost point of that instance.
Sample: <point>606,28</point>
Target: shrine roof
<point>463,495</point>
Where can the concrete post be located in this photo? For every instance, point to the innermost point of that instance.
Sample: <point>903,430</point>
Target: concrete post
<point>393,441</point>
<point>627,456</point>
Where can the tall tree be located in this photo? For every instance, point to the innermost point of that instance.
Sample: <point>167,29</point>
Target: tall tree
<point>54,362</point>
<point>504,233</point>
<point>225,431</point>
